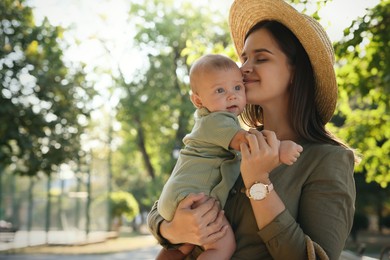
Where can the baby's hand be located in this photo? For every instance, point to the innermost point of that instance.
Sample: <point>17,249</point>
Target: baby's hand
<point>289,152</point>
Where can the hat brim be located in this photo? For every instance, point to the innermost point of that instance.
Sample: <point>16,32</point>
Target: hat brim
<point>244,14</point>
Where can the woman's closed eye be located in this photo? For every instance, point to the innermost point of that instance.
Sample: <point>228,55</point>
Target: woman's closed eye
<point>261,57</point>
<point>260,60</point>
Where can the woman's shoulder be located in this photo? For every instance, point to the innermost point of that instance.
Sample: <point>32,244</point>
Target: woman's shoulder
<point>328,153</point>
<point>325,148</point>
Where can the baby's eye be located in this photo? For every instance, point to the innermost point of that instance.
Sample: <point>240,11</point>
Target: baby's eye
<point>219,90</point>
<point>238,87</point>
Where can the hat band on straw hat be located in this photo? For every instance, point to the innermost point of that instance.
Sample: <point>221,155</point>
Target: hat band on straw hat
<point>244,14</point>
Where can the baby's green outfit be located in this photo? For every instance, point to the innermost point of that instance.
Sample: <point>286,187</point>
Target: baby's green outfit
<point>206,163</point>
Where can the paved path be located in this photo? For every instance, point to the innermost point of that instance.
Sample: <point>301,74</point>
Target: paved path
<point>35,238</point>
<point>147,253</point>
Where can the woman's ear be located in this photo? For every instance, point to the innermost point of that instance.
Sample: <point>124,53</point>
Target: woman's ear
<point>195,99</point>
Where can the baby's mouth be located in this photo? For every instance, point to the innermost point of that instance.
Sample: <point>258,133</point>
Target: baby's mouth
<point>232,108</point>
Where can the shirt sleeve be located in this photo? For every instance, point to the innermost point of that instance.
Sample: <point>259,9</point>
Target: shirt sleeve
<point>326,211</point>
<point>217,128</point>
<point>154,221</point>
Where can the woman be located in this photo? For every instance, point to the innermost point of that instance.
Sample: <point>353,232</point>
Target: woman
<point>287,63</point>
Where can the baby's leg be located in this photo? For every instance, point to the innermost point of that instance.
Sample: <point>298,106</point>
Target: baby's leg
<point>289,152</point>
<point>182,251</point>
<point>222,248</point>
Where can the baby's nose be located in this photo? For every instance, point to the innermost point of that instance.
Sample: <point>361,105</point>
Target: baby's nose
<point>232,96</point>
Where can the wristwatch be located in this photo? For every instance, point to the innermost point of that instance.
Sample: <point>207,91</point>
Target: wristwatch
<point>258,191</point>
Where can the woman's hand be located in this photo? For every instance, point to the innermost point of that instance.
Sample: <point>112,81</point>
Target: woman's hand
<point>197,220</point>
<point>259,157</point>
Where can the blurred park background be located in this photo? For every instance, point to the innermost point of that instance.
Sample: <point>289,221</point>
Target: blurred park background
<point>94,105</point>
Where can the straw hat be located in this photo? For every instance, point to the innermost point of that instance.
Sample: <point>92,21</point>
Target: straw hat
<point>244,14</point>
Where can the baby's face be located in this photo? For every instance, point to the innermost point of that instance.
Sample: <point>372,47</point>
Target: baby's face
<point>222,90</point>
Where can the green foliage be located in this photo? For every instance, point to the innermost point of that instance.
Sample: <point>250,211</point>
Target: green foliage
<point>123,204</point>
<point>156,112</point>
<point>363,116</point>
<point>43,101</point>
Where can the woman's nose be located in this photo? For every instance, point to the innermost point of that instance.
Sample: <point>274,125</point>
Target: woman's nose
<point>246,68</point>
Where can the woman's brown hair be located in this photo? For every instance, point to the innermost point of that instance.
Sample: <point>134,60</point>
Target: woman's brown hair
<point>303,113</point>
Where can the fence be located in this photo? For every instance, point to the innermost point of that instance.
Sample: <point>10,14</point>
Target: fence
<point>65,201</point>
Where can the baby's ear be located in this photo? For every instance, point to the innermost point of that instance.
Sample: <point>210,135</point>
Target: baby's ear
<point>195,99</point>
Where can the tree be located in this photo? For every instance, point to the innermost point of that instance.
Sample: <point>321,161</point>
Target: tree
<point>363,114</point>
<point>43,100</point>
<point>123,204</point>
<point>371,199</point>
<point>363,117</point>
<point>156,112</point>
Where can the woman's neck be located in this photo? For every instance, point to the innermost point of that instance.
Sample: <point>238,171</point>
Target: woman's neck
<point>280,124</point>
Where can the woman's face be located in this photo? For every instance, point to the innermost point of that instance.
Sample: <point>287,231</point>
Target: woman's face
<point>267,73</point>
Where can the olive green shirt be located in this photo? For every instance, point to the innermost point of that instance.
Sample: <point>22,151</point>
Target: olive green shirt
<point>319,194</point>
<point>206,164</point>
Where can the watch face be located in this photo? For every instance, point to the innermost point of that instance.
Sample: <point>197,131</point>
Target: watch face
<point>258,191</point>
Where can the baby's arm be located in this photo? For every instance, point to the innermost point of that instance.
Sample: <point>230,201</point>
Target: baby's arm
<point>237,139</point>
<point>289,152</point>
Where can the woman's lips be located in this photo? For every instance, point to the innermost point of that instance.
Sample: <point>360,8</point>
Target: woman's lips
<point>249,81</point>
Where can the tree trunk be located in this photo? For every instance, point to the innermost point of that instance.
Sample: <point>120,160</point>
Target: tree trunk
<point>142,148</point>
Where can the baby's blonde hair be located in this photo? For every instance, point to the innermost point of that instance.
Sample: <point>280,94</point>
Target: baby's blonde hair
<point>208,64</point>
